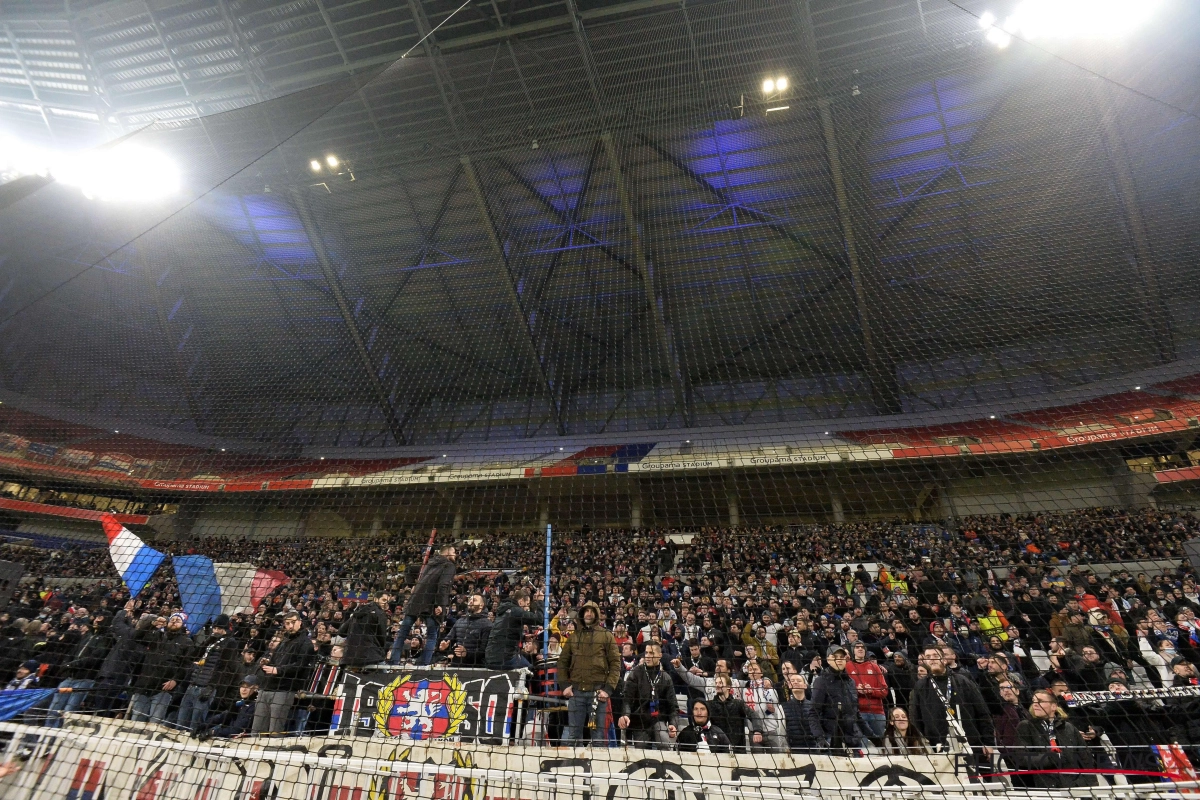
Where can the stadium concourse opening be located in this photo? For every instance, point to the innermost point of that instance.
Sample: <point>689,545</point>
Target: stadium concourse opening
<point>623,398</point>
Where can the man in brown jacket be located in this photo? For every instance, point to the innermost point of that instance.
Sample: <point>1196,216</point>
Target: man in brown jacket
<point>588,667</point>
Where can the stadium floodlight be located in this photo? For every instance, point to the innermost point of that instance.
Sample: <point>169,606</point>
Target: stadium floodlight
<point>315,165</point>
<point>781,84</point>
<point>768,85</point>
<point>1068,19</point>
<point>332,161</point>
<point>126,171</point>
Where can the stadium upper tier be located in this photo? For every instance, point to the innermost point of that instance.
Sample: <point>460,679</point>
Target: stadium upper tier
<point>35,445</point>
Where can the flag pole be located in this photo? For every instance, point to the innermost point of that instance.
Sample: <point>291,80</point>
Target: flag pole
<point>546,597</point>
<point>428,548</point>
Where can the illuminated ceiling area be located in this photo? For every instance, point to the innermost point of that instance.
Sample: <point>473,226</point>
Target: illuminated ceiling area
<point>255,222</point>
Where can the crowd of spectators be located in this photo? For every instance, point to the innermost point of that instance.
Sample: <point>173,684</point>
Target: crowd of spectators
<point>966,638</point>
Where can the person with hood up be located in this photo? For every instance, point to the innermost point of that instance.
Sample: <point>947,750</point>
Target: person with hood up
<point>701,735</point>
<point>835,703</point>
<point>588,667</point>
<point>366,633</point>
<point>649,705</point>
<point>504,641</point>
<point>429,599</point>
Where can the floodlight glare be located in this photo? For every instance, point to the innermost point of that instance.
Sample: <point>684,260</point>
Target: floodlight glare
<point>768,86</point>
<point>316,165</point>
<point>332,161</point>
<point>781,84</point>
<point>1069,19</point>
<point>125,172</point>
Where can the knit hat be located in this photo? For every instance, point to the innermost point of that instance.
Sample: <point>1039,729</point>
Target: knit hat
<point>32,665</point>
<point>183,617</point>
<point>222,621</point>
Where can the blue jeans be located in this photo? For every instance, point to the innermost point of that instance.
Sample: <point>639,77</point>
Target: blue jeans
<point>875,724</point>
<point>516,662</point>
<point>300,719</point>
<point>193,711</point>
<point>66,702</point>
<point>431,639</point>
<point>149,707</point>
<point>579,708</point>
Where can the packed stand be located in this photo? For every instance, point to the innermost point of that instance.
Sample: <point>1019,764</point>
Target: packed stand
<point>983,641</point>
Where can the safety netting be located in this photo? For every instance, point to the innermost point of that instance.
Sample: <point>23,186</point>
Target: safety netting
<point>724,398</point>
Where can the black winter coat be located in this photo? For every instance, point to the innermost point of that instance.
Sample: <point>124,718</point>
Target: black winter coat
<point>89,654</point>
<point>689,739</point>
<point>472,632</point>
<point>730,716</point>
<point>165,659</point>
<point>125,655</point>
<point>649,697</point>
<point>222,669</point>
<point>835,706</point>
<point>928,713</point>
<point>1035,753</point>
<point>367,634</point>
<point>433,587</point>
<point>804,731</point>
<point>505,638</point>
<point>293,659</point>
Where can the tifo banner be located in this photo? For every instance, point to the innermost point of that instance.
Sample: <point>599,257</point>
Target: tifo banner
<point>424,704</point>
<point>110,759</point>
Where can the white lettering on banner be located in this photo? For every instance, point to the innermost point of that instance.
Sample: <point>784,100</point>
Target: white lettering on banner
<point>794,458</point>
<point>660,466</point>
<point>1158,693</point>
<point>114,759</point>
<point>1108,436</point>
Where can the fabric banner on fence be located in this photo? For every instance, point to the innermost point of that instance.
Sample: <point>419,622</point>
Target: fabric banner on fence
<point>17,701</point>
<point>424,704</point>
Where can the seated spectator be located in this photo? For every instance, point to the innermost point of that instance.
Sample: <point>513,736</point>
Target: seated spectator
<point>900,737</point>
<point>26,676</point>
<point>237,720</point>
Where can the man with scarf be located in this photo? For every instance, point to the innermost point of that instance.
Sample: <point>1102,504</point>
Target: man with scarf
<point>650,708</point>
<point>701,735</point>
<point>949,710</point>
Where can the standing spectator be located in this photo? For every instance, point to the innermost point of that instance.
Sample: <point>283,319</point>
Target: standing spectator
<point>214,674</point>
<point>162,667</point>
<point>469,636</point>
<point>948,709</point>
<point>763,706</point>
<point>804,732</point>
<point>650,708</point>
<point>504,640</point>
<point>871,685</point>
<point>123,660</point>
<point>285,671</point>
<point>1047,741</point>
<point>701,735</point>
<point>588,667</point>
<point>1008,717</point>
<point>835,703</point>
<point>429,599</point>
<point>729,712</point>
<point>80,669</point>
<point>366,633</point>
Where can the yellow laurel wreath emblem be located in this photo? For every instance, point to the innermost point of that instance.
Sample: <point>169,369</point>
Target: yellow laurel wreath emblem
<point>456,705</point>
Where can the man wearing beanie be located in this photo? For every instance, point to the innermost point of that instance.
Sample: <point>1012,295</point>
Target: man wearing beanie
<point>213,675</point>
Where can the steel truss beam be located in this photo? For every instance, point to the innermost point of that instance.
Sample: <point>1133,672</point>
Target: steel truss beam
<point>514,301</point>
<point>343,306</point>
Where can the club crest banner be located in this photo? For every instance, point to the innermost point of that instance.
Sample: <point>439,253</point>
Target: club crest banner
<point>428,704</point>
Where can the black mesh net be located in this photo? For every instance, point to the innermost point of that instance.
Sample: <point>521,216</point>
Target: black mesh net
<point>833,364</point>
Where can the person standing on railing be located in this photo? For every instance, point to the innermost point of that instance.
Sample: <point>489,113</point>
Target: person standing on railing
<point>429,600</point>
<point>588,667</point>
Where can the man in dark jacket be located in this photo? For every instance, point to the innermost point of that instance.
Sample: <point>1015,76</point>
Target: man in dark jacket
<point>835,702</point>
<point>80,669</point>
<point>729,713</point>
<point>1047,741</point>
<point>650,708</point>
<point>804,732</point>
<point>214,676</point>
<point>504,641</point>
<point>701,735</point>
<point>123,659</point>
<point>588,666</point>
<point>285,672</point>
<point>469,636</point>
<point>429,599</point>
<point>948,709</point>
<point>163,669</point>
<point>366,633</point>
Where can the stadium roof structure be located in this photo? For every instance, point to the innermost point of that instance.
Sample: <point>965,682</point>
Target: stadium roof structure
<point>576,218</point>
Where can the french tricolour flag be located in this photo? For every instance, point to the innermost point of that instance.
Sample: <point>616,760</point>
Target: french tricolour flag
<point>208,589</point>
<point>134,560</point>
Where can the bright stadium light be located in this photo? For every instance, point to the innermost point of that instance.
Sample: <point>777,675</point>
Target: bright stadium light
<point>332,161</point>
<point>781,84</point>
<point>315,165</point>
<point>1068,19</point>
<point>768,85</point>
<point>126,171</point>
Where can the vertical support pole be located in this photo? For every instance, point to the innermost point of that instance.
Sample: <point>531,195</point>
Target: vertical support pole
<point>544,514</point>
<point>546,594</point>
<point>635,506</point>
<point>835,504</point>
<point>459,516</point>
<point>731,497</point>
